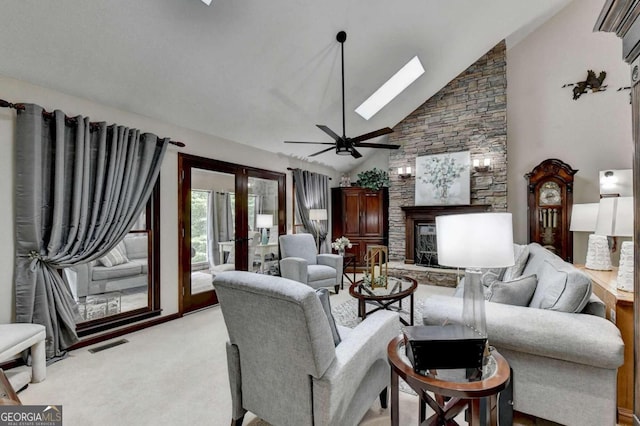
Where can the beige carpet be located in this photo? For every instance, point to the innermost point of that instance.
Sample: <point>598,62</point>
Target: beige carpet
<point>171,374</point>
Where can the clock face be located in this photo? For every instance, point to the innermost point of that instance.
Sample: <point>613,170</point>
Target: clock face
<point>550,194</point>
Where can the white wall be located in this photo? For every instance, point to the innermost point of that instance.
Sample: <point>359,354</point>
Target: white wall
<point>591,134</point>
<point>197,144</point>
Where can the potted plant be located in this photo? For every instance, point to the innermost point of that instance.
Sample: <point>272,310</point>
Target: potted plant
<point>373,179</point>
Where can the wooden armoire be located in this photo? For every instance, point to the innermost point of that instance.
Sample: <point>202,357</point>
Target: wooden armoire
<point>362,215</point>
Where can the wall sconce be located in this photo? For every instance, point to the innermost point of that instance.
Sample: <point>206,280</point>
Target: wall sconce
<point>404,172</point>
<point>486,165</point>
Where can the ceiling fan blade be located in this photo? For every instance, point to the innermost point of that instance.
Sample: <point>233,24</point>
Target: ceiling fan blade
<point>317,143</point>
<point>328,131</point>
<point>371,135</point>
<point>355,153</point>
<point>376,145</point>
<point>321,152</point>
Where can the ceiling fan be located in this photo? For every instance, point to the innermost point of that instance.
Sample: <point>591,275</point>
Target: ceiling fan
<point>344,145</point>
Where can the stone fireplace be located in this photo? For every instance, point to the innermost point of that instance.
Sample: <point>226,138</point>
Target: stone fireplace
<point>420,230</point>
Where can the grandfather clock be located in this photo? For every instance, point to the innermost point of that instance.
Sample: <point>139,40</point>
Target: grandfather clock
<point>550,199</point>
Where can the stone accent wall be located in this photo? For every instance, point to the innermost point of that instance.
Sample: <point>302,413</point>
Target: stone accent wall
<point>469,114</point>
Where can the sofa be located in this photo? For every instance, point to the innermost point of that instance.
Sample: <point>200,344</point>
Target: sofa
<point>563,353</point>
<point>127,269</point>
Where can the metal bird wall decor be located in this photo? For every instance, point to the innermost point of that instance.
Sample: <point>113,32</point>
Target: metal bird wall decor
<point>592,83</point>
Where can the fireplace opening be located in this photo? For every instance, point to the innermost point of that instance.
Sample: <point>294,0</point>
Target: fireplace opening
<point>426,246</point>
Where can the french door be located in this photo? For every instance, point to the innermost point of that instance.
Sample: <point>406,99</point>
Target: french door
<point>229,219</point>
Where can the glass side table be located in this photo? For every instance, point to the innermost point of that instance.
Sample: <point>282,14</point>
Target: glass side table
<point>461,391</point>
<point>397,289</point>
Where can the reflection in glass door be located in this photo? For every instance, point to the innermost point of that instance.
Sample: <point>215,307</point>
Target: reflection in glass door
<point>230,218</point>
<point>262,217</point>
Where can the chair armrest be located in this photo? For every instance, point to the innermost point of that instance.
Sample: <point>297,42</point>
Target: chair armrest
<point>333,260</point>
<point>580,338</point>
<point>295,268</point>
<point>79,278</point>
<point>364,349</point>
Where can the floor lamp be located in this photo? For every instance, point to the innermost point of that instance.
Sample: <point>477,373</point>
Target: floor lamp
<point>317,215</point>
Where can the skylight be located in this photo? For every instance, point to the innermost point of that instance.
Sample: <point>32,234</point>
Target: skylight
<point>392,88</point>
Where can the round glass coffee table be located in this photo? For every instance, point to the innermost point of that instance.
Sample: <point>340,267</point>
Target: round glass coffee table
<point>453,390</point>
<point>397,289</point>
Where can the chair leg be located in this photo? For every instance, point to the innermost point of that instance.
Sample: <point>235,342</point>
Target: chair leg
<point>336,288</point>
<point>383,398</point>
<point>237,422</point>
<point>38,362</point>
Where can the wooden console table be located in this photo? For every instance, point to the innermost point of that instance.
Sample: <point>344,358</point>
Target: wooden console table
<point>619,307</point>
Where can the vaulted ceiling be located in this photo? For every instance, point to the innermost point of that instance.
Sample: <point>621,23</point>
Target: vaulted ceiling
<point>253,71</point>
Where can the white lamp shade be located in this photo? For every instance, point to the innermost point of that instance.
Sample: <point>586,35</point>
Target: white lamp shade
<point>615,217</point>
<point>476,240</point>
<point>264,220</point>
<point>317,214</point>
<point>584,217</point>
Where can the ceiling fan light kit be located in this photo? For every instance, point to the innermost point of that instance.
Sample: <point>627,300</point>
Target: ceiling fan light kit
<point>342,144</point>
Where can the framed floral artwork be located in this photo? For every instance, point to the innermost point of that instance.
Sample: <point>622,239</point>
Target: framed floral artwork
<point>443,179</point>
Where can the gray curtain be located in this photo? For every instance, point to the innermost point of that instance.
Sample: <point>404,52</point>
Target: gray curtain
<point>220,226</point>
<point>78,192</point>
<point>212,234</point>
<point>312,192</point>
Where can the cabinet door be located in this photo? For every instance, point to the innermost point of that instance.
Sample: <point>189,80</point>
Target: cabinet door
<point>372,217</point>
<point>352,212</point>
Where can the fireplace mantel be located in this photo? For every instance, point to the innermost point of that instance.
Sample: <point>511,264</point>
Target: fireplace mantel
<point>416,215</point>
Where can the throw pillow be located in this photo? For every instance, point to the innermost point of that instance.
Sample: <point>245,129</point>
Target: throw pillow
<point>117,256</point>
<point>521,255</point>
<point>323,295</point>
<point>517,292</point>
<point>490,275</point>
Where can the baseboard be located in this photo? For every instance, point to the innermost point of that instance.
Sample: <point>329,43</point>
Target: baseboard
<point>92,340</point>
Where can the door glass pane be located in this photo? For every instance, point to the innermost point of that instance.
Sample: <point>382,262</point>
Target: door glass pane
<point>212,227</point>
<point>116,283</point>
<point>263,225</point>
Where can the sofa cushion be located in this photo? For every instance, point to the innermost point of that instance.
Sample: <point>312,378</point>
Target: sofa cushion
<point>117,256</point>
<point>118,271</point>
<point>136,245</point>
<point>561,287</point>
<point>520,255</point>
<point>323,295</point>
<point>517,292</point>
<point>320,272</point>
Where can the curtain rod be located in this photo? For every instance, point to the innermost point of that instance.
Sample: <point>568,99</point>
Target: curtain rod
<point>289,168</point>
<point>67,120</point>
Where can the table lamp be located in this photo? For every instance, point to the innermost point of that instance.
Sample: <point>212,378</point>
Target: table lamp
<point>474,241</point>
<point>264,222</point>
<point>317,215</point>
<point>583,219</point>
<point>615,219</point>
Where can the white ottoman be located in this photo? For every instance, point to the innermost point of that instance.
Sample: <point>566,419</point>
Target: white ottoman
<point>15,338</point>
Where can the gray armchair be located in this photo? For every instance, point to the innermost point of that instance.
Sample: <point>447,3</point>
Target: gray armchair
<point>301,262</point>
<point>283,365</point>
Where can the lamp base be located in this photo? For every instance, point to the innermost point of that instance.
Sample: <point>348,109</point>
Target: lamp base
<point>625,271</point>
<point>598,255</point>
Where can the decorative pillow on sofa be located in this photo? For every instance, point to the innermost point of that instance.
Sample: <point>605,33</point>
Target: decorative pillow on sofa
<point>117,256</point>
<point>521,255</point>
<point>561,287</point>
<point>517,292</point>
<point>489,275</point>
<point>323,295</point>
